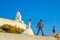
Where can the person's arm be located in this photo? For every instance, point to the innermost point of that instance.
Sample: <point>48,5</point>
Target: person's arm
<point>42,25</point>
<point>37,25</point>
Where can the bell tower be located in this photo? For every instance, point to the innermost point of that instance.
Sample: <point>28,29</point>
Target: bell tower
<point>18,16</point>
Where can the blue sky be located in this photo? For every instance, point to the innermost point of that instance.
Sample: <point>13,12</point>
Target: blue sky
<point>47,10</point>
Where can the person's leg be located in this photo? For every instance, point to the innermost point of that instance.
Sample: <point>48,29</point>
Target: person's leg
<point>38,31</point>
<point>42,32</point>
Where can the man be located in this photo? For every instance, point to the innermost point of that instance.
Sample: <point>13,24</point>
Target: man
<point>40,26</point>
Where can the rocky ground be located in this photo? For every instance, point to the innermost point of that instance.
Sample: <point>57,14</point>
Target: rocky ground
<point>9,36</point>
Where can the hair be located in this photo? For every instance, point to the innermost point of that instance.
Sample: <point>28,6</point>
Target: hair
<point>40,19</point>
<point>29,19</point>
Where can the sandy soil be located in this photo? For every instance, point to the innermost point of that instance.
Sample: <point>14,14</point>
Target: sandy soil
<point>8,36</point>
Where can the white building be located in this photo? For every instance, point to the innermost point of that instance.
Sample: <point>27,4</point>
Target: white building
<point>18,23</point>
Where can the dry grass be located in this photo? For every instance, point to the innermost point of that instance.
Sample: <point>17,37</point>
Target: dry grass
<point>57,36</point>
<point>10,29</point>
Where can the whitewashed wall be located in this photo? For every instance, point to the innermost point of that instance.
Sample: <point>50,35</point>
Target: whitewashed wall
<point>12,22</point>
